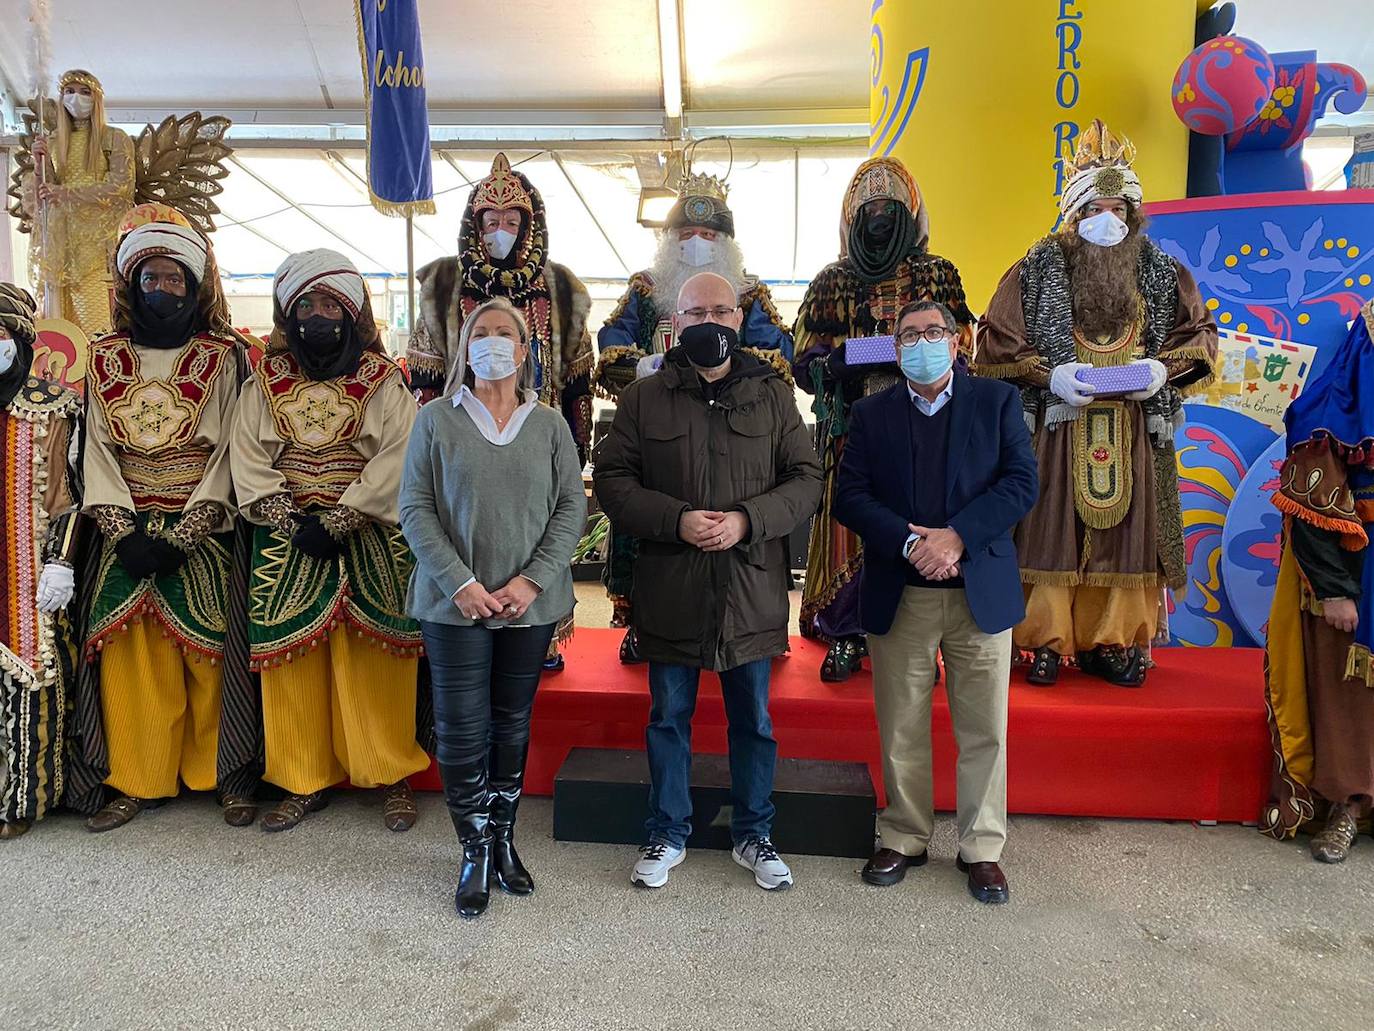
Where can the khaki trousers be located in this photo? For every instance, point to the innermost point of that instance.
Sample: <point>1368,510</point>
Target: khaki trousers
<point>977,671</point>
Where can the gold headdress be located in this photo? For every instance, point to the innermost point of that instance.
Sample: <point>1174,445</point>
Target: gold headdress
<point>80,77</point>
<point>881,179</point>
<point>501,189</point>
<point>701,201</point>
<point>1101,168</point>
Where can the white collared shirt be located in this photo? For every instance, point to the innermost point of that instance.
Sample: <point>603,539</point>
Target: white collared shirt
<point>486,424</point>
<point>941,399</point>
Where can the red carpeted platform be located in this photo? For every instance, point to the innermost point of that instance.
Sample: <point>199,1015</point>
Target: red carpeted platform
<point>1191,745</point>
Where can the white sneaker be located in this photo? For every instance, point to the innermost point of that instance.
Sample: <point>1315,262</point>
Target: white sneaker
<point>655,860</point>
<point>759,856</point>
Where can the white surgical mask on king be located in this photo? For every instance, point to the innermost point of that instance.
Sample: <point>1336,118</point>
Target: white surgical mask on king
<point>78,105</point>
<point>499,243</point>
<point>8,349</point>
<point>492,358</point>
<point>1103,229</point>
<point>697,251</point>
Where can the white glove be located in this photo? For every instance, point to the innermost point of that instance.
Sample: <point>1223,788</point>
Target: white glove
<point>56,585</point>
<point>648,365</point>
<point>1158,377</point>
<point>1064,383</point>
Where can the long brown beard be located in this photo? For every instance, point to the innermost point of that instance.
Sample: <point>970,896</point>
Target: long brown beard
<point>1104,281</point>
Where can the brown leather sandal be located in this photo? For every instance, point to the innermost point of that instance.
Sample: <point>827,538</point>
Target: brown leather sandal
<point>239,811</point>
<point>398,808</point>
<point>119,812</point>
<point>11,829</point>
<point>291,810</point>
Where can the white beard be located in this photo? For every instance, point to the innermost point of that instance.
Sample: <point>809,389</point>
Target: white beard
<point>669,271</point>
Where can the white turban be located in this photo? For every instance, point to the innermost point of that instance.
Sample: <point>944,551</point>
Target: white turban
<point>324,270</point>
<point>1099,184</point>
<point>163,240</point>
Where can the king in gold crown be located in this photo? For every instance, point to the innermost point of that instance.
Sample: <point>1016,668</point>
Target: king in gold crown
<point>503,188</point>
<point>701,201</point>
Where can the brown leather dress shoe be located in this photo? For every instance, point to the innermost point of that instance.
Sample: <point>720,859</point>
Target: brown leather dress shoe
<point>119,812</point>
<point>986,882</point>
<point>1333,843</point>
<point>11,829</point>
<point>239,811</point>
<point>887,866</point>
<point>398,807</point>
<point>291,810</point>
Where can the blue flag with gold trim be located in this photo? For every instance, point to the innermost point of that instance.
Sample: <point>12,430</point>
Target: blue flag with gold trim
<point>398,171</point>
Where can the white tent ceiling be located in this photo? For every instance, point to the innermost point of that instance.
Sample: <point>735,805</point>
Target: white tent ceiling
<point>802,56</point>
<point>574,90</point>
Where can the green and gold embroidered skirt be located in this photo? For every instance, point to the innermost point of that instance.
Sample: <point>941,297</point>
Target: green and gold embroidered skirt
<point>296,600</point>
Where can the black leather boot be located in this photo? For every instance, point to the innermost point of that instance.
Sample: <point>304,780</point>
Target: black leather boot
<point>507,777</point>
<point>465,791</point>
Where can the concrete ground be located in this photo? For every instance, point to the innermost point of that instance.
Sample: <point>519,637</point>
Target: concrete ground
<point>178,921</point>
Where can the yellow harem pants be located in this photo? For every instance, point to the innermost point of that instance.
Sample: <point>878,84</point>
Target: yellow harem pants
<point>344,710</point>
<point>1079,619</point>
<point>161,712</point>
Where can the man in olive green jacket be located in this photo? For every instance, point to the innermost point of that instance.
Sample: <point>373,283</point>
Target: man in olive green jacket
<point>708,463</point>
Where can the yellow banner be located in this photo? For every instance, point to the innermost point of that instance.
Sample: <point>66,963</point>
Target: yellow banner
<point>983,101</point>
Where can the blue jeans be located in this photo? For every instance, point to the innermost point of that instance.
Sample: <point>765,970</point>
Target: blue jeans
<point>753,752</point>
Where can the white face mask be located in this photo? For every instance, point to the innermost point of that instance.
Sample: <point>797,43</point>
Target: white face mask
<point>1103,229</point>
<point>697,251</point>
<point>492,358</point>
<point>8,349</point>
<point>500,243</point>
<point>78,105</point>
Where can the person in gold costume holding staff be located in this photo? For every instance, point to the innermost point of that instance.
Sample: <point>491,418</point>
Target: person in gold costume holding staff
<point>1097,296</point>
<point>87,183</point>
<point>319,447</point>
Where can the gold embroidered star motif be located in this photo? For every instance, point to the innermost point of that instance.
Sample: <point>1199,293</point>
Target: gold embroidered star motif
<point>150,416</point>
<point>153,415</point>
<point>317,413</point>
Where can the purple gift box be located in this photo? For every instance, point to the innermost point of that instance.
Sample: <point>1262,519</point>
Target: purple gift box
<point>1116,379</point>
<point>870,350</point>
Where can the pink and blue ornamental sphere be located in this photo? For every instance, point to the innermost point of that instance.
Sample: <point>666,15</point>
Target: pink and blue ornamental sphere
<point>1222,85</point>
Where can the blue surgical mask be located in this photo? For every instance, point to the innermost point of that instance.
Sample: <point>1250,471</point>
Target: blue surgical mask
<point>925,361</point>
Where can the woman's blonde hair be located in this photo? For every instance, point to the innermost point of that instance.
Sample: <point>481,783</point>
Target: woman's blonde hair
<point>66,124</point>
<point>458,375</point>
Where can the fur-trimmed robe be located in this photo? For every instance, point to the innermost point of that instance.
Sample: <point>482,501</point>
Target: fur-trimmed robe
<point>564,345</point>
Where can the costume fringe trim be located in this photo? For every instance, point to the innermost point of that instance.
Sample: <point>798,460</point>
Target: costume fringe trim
<point>1196,353</point>
<point>833,586</point>
<point>775,361</point>
<point>1353,536</point>
<point>1072,578</point>
<point>601,383</point>
<point>143,605</point>
<point>1359,665</point>
<point>1007,370</point>
<point>340,617</point>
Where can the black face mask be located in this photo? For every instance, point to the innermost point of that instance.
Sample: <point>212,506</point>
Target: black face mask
<point>162,320</point>
<point>325,348</point>
<point>707,345</point>
<point>881,228</point>
<point>877,242</point>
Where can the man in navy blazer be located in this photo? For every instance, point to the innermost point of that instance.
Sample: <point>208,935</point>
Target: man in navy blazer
<point>936,473</point>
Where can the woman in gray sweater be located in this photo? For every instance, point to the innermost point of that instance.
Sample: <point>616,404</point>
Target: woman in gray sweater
<point>493,506</point>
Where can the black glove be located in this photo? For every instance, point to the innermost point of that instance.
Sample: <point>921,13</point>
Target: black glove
<point>136,553</point>
<point>168,556</point>
<point>313,539</point>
